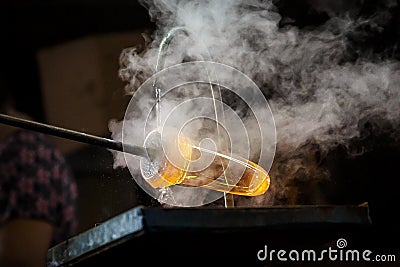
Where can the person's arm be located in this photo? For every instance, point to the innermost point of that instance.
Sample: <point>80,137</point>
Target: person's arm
<point>24,242</point>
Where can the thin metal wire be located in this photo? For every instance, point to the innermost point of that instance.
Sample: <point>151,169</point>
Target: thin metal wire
<point>162,52</point>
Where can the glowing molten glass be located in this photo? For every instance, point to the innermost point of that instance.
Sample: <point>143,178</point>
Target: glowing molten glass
<point>228,174</point>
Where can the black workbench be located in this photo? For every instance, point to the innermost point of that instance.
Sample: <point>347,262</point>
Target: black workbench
<point>184,236</point>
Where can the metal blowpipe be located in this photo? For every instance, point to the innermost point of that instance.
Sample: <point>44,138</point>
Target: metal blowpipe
<point>73,135</point>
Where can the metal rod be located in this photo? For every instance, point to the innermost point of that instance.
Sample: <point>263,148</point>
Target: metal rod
<point>73,135</point>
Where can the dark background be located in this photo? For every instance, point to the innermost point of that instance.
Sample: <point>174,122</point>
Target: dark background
<point>28,26</point>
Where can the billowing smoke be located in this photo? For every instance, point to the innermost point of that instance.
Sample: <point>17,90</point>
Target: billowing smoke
<point>322,90</point>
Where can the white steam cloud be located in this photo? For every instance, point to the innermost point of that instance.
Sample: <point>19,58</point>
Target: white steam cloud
<point>318,94</point>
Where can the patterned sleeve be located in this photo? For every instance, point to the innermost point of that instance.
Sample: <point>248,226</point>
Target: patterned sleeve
<point>35,183</point>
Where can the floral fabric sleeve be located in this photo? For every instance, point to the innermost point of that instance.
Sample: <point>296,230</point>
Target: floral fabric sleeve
<point>35,183</point>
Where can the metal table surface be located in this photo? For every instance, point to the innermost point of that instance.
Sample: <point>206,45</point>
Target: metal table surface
<point>180,233</point>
